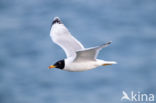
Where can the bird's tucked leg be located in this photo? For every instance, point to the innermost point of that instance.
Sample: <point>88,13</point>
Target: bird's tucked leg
<point>106,64</point>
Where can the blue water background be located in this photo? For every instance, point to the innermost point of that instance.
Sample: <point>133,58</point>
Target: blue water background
<point>26,50</point>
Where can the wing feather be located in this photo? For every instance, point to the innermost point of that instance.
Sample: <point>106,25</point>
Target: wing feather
<point>90,53</point>
<point>62,37</point>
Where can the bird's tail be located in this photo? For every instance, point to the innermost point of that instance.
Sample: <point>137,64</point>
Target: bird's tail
<point>109,63</point>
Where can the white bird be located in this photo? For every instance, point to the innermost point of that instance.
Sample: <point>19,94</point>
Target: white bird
<point>78,58</point>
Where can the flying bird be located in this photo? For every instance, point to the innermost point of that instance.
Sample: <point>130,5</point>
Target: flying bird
<point>78,58</point>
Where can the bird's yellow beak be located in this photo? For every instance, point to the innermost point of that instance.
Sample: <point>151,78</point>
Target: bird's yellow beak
<point>51,66</point>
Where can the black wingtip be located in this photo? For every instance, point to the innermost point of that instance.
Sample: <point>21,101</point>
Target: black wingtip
<point>56,20</point>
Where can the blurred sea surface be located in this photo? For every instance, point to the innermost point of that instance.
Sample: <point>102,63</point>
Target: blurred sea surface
<point>26,50</point>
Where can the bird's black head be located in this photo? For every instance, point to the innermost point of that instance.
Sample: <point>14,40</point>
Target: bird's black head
<point>56,20</point>
<point>59,64</point>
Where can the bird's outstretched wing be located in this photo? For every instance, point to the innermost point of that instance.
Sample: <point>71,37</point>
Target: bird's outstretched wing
<point>90,53</point>
<point>61,36</point>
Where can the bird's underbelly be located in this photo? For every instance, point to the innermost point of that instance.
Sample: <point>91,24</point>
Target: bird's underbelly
<point>81,66</point>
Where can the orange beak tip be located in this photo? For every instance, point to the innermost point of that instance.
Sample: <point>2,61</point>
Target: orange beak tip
<point>51,66</point>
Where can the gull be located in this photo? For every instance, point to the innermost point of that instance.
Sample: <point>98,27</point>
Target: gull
<point>78,58</point>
